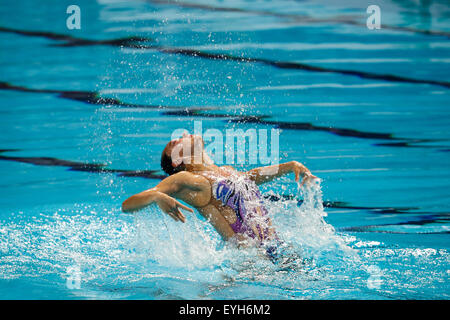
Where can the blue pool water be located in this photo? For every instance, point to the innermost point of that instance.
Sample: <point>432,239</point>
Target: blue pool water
<point>71,100</point>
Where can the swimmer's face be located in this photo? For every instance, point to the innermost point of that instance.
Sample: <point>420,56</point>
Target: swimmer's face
<point>187,149</point>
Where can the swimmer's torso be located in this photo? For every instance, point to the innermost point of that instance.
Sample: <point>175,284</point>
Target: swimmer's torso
<point>233,204</point>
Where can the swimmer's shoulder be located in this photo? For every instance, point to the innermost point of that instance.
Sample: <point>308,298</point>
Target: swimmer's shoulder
<point>193,180</point>
<point>196,189</point>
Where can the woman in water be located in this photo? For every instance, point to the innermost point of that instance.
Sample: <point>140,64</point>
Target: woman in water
<point>229,199</point>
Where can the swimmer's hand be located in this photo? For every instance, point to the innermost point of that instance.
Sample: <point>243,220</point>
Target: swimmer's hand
<point>308,178</point>
<point>172,207</point>
<point>301,170</point>
<point>266,174</point>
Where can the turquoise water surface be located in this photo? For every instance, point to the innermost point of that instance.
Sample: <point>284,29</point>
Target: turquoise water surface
<point>86,113</point>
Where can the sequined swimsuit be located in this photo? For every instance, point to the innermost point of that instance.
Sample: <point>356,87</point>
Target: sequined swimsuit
<point>243,196</point>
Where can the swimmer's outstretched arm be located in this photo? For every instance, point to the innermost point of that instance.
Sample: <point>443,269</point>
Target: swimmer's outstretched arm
<point>163,195</point>
<point>265,174</point>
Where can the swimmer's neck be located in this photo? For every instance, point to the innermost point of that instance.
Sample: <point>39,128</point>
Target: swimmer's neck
<point>206,164</point>
<point>202,167</point>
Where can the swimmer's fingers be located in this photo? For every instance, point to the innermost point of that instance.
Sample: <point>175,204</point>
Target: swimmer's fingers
<point>308,178</point>
<point>297,175</point>
<point>169,209</point>
<point>179,214</point>
<point>182,206</point>
<point>172,207</point>
<point>303,181</point>
<point>172,215</point>
<point>175,214</point>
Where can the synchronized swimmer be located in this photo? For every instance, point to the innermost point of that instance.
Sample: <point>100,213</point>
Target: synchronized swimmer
<point>229,199</point>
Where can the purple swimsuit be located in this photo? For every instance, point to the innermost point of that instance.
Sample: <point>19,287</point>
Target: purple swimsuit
<point>243,196</point>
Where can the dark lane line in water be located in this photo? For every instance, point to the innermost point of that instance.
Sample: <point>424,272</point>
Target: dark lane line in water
<point>424,219</point>
<point>299,18</point>
<point>80,166</point>
<point>292,65</point>
<point>89,97</point>
<point>345,205</point>
<point>152,174</point>
<point>133,42</point>
<point>73,41</point>
<point>410,144</point>
<point>286,125</point>
<point>92,97</point>
<point>343,132</point>
<point>441,218</point>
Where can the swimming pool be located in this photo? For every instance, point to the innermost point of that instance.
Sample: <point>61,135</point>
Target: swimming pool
<point>86,113</point>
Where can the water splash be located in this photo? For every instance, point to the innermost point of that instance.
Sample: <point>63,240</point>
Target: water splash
<point>313,249</point>
<point>149,255</point>
<point>305,227</point>
<point>187,245</point>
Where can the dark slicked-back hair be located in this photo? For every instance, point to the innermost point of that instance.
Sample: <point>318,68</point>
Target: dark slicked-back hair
<point>166,163</point>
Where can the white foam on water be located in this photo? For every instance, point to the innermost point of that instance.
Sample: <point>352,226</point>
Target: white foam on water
<point>124,253</point>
